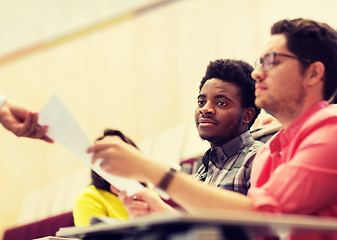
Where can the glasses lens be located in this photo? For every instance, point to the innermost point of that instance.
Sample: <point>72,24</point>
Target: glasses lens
<point>268,61</point>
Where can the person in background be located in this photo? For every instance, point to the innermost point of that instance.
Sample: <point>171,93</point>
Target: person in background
<point>264,127</point>
<point>296,171</point>
<point>100,198</point>
<point>21,121</point>
<point>264,119</point>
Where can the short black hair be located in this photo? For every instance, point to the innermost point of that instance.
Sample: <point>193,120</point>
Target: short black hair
<point>237,72</point>
<point>314,41</point>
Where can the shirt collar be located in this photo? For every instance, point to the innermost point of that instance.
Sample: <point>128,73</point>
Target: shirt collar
<point>225,151</point>
<point>290,131</point>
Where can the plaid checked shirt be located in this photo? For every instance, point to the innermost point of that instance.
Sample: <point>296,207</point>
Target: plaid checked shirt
<point>228,166</point>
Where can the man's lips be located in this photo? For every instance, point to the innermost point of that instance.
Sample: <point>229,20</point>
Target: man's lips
<point>206,122</point>
<point>259,88</point>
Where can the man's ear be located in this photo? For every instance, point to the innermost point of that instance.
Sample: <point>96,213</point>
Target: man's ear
<point>248,115</point>
<point>316,72</point>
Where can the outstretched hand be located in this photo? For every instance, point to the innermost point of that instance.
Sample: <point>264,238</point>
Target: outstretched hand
<point>22,122</point>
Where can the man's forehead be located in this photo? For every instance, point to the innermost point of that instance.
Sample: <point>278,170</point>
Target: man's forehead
<point>218,84</point>
<point>276,43</point>
<point>219,88</point>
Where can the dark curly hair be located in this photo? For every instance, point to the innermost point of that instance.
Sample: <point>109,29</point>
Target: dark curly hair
<point>315,41</point>
<point>97,180</point>
<point>237,72</point>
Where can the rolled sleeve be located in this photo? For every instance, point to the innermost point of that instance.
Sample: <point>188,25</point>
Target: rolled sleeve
<point>297,190</point>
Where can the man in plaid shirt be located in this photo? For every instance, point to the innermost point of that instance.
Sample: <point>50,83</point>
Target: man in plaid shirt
<point>225,112</point>
<point>224,115</point>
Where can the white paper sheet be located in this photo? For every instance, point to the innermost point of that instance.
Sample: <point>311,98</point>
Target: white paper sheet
<point>64,129</point>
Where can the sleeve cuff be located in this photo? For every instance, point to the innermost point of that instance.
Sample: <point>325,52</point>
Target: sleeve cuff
<point>262,201</point>
<point>2,99</point>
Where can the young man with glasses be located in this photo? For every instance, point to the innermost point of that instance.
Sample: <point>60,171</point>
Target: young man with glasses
<point>295,79</point>
<point>296,171</point>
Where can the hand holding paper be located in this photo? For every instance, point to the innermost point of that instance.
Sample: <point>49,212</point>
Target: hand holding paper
<point>64,129</point>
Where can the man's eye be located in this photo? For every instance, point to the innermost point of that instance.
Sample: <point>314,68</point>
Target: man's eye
<point>201,102</point>
<point>268,63</point>
<point>222,103</point>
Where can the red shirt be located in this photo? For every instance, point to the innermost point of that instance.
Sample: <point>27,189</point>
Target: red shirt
<point>296,171</point>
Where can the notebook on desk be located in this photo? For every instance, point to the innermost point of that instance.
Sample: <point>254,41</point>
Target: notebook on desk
<point>252,224</point>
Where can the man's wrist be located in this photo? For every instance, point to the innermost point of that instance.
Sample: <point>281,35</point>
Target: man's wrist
<point>165,181</point>
<point>2,99</point>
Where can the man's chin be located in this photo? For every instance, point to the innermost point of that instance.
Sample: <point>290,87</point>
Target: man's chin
<point>206,138</point>
<point>260,103</point>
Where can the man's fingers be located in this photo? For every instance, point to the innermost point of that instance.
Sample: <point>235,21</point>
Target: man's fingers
<point>30,128</point>
<point>104,164</point>
<point>32,125</point>
<point>39,132</point>
<point>98,147</point>
<point>47,139</point>
<point>112,141</point>
<point>134,207</point>
<point>44,136</point>
<point>20,128</point>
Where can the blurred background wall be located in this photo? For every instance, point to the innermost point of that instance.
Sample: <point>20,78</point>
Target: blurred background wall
<point>113,68</point>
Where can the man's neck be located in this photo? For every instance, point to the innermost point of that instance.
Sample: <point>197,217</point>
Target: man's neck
<point>286,118</point>
<point>214,145</point>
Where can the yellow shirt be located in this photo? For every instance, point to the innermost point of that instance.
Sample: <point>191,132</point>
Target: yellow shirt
<point>94,202</point>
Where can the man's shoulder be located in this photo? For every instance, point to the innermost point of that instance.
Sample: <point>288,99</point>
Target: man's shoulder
<point>324,118</point>
<point>328,112</point>
<point>257,145</point>
<point>252,145</point>
<point>247,155</point>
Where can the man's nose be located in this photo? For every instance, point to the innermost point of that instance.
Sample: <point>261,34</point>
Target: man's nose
<point>207,109</point>
<point>258,73</point>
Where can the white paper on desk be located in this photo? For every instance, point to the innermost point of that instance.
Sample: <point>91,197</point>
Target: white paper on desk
<point>64,129</point>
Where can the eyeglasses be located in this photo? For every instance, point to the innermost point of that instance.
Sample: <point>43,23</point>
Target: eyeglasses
<point>268,60</point>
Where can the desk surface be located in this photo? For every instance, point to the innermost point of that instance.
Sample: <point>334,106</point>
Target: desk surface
<point>252,223</point>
